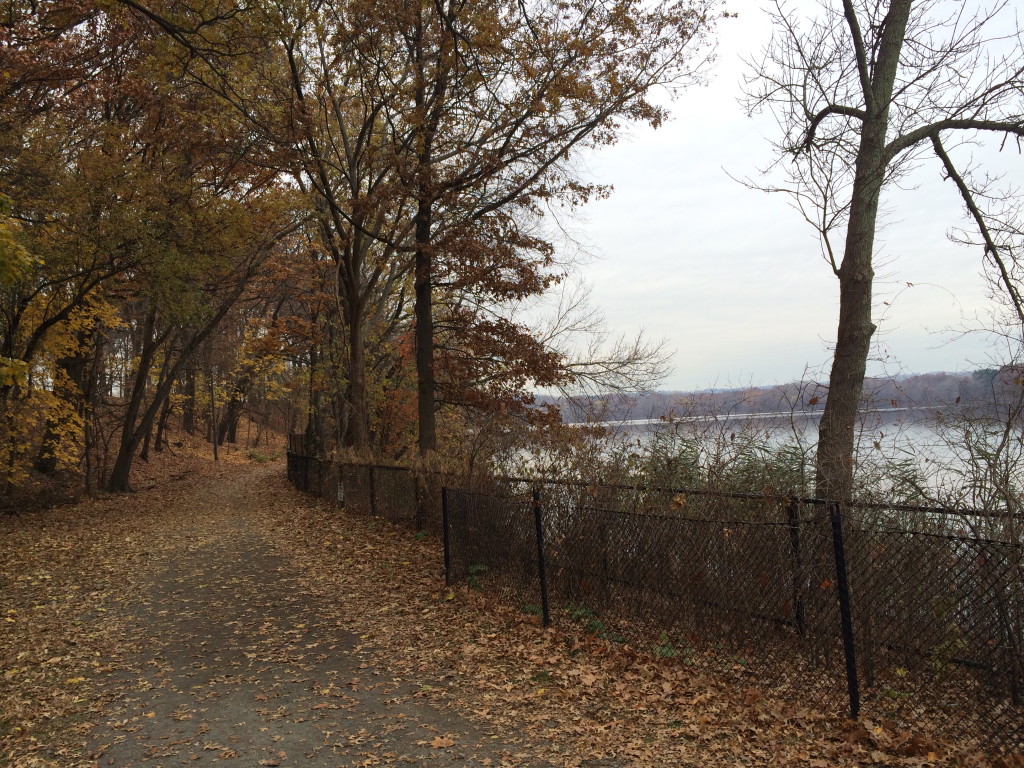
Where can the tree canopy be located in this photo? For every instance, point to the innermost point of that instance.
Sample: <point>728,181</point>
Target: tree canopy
<point>336,205</point>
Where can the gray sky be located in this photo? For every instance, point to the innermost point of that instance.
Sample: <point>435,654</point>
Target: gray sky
<point>733,279</point>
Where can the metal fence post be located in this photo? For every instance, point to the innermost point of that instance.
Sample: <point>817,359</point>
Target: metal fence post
<point>799,621</point>
<point>340,491</point>
<point>538,521</point>
<point>421,501</point>
<point>845,614</point>
<point>373,492</point>
<point>447,538</point>
<point>606,582</point>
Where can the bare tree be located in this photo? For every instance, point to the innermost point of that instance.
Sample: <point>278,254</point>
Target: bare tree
<point>864,93</point>
<point>598,365</point>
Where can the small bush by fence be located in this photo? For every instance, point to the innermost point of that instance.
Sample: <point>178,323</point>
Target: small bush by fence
<point>903,613</point>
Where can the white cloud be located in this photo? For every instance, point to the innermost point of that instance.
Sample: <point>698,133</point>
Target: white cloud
<point>733,278</point>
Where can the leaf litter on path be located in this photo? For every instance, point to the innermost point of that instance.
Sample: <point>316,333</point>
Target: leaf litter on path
<point>226,617</point>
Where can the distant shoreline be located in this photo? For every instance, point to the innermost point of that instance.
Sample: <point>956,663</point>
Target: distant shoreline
<point>669,421</point>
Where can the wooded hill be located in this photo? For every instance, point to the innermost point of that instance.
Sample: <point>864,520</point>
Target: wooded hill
<point>982,389</point>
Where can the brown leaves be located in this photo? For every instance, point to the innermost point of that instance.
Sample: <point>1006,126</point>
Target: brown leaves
<point>576,695</point>
<point>751,696</point>
<point>550,693</point>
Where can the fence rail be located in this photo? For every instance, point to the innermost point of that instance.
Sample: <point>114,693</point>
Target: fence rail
<point>911,614</point>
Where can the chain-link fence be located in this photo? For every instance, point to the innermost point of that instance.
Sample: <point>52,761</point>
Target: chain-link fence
<point>920,627</point>
<point>908,614</point>
<point>937,621</point>
<point>399,494</point>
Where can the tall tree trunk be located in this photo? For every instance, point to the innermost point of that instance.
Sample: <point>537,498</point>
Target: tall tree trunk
<point>130,437</point>
<point>314,430</point>
<point>358,428</point>
<point>144,454</point>
<point>213,411</point>
<point>834,461</point>
<point>424,312</point>
<point>165,412</point>
<point>233,412</point>
<point>188,404</point>
<point>428,100</point>
<point>146,440</point>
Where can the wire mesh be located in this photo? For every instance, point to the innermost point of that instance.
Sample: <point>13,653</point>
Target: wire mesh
<point>394,494</point>
<point>938,623</point>
<point>715,582</point>
<point>493,546</point>
<point>745,585</point>
<point>355,492</point>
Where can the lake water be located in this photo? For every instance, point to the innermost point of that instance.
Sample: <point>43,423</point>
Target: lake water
<point>950,457</point>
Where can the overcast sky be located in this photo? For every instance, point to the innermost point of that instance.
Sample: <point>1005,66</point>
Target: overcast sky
<point>733,279</point>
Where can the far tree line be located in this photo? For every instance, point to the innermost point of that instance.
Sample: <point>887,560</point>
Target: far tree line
<point>990,391</point>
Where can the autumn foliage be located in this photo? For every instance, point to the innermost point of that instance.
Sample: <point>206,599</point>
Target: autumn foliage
<point>326,216</point>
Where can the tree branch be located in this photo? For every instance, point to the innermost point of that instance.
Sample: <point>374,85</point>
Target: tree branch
<point>858,47</point>
<point>990,245</point>
<point>831,109</point>
<point>900,143</point>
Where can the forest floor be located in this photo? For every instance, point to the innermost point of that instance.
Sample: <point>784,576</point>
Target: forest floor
<point>217,616</point>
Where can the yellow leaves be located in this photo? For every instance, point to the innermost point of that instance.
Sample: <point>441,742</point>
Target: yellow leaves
<point>15,260</point>
<point>13,372</point>
<point>75,680</point>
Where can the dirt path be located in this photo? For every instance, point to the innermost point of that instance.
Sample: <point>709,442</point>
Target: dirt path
<point>235,663</point>
<point>219,617</point>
